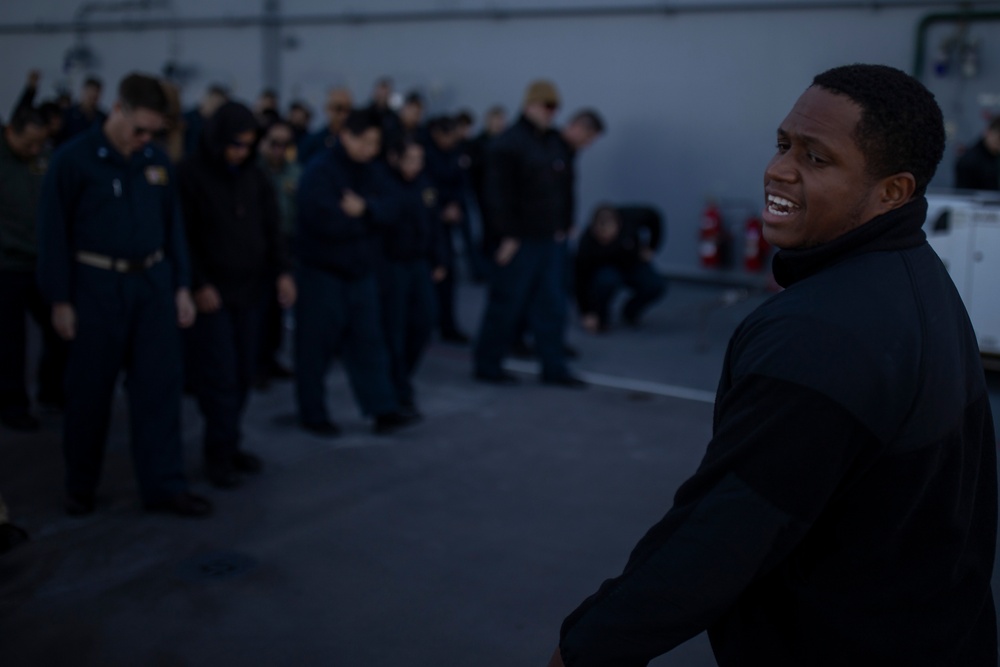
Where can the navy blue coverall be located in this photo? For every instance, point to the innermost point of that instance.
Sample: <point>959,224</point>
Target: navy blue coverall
<point>445,170</point>
<point>412,247</point>
<point>95,200</point>
<point>337,311</point>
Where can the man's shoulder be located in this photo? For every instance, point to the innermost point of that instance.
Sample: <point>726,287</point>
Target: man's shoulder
<point>516,132</point>
<point>872,287</point>
<point>80,152</point>
<point>321,168</point>
<point>857,318</point>
<point>316,138</point>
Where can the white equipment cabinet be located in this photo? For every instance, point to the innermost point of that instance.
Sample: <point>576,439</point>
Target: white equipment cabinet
<point>964,230</point>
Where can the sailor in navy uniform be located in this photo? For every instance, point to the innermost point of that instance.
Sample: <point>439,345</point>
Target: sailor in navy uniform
<point>113,262</point>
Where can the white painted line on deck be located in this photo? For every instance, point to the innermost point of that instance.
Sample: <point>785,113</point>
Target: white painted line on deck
<point>628,384</point>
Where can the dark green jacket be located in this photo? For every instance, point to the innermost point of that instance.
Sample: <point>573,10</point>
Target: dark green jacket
<point>20,183</point>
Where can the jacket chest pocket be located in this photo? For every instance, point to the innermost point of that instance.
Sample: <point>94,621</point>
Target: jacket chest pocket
<point>105,198</point>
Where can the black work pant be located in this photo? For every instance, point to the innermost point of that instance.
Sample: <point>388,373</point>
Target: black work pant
<point>644,283</point>
<point>530,286</point>
<point>272,329</point>
<point>407,295</point>
<point>125,321</point>
<point>339,316</point>
<point>20,298</point>
<point>224,348</point>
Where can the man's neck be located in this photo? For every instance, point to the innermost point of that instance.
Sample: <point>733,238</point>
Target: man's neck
<point>109,134</point>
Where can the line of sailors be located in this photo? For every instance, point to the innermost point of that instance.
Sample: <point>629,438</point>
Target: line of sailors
<point>130,249</point>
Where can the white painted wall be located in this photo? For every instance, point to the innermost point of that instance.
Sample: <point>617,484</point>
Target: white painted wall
<point>692,100</point>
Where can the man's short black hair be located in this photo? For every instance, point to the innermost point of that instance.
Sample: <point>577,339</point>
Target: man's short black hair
<point>901,127</point>
<point>591,118</point>
<point>141,91</point>
<point>269,116</point>
<point>24,117</point>
<point>994,124</point>
<point>360,121</point>
<point>50,110</point>
<point>93,82</point>
<point>401,143</point>
<point>465,117</point>
<point>414,97</point>
<point>443,124</point>
<point>277,122</point>
<point>217,89</point>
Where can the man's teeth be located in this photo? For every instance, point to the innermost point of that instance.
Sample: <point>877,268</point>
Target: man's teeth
<point>780,206</point>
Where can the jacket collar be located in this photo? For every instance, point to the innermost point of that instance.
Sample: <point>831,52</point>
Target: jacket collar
<point>107,152</point>
<point>531,127</point>
<point>898,229</point>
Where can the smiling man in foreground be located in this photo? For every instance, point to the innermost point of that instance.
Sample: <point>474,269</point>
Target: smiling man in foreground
<point>845,510</point>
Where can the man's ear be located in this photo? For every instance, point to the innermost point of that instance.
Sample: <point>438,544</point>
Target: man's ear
<point>896,190</point>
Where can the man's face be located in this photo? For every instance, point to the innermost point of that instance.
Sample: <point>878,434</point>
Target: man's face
<point>382,92</point>
<point>298,117</point>
<point>992,141</point>
<point>579,134</point>
<point>137,128</point>
<point>212,102</point>
<point>90,96</point>
<point>541,114</point>
<point>275,144</point>
<point>411,162</point>
<point>54,126</point>
<point>265,102</point>
<point>411,114</point>
<point>606,227</point>
<point>27,143</point>
<point>495,123</point>
<point>446,140</point>
<point>338,107</point>
<point>238,150</point>
<point>362,147</point>
<point>816,187</point>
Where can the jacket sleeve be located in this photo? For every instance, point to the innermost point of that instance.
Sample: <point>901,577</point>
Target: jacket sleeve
<point>440,238</point>
<point>779,452</point>
<point>279,259</point>
<point>177,245</point>
<point>585,266</point>
<point>193,225</point>
<point>26,100</point>
<point>654,226</point>
<point>57,202</point>
<point>501,188</point>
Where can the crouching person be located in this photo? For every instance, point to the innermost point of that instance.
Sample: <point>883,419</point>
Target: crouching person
<point>611,258</point>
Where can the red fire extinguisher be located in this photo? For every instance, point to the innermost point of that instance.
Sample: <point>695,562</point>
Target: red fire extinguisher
<point>756,247</point>
<point>710,236</point>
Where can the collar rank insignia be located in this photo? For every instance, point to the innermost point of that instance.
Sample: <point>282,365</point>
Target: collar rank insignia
<point>156,175</point>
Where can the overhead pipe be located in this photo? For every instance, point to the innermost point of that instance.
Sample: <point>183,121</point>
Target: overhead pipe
<point>450,15</point>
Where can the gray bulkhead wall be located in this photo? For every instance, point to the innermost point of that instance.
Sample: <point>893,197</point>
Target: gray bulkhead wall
<point>692,99</point>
